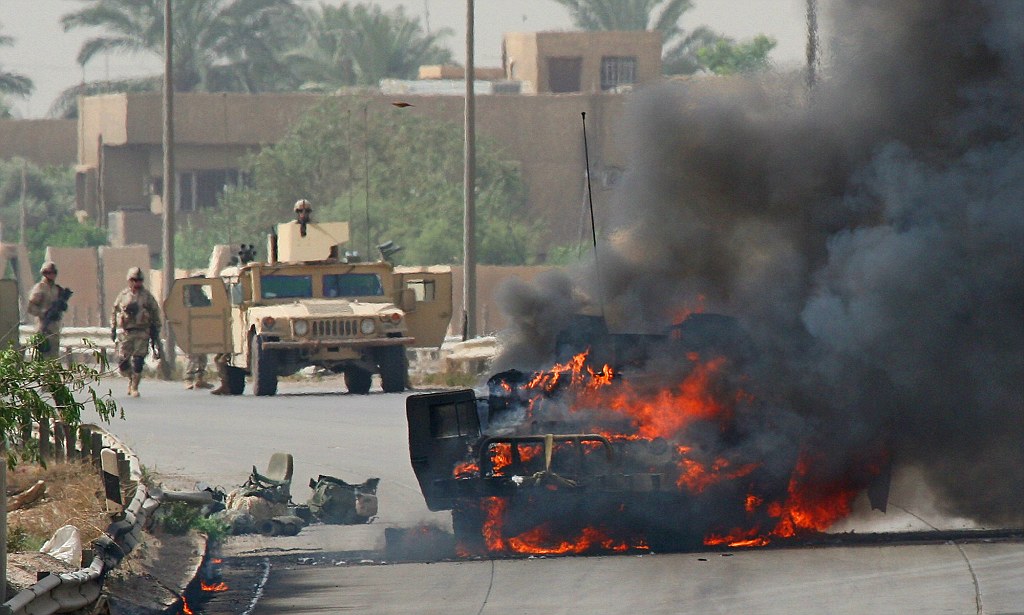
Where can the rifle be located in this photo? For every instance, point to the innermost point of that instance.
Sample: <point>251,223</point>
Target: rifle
<point>154,343</point>
<point>59,306</point>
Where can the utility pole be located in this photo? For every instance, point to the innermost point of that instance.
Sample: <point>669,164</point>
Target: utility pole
<point>170,181</point>
<point>812,43</point>
<point>23,204</point>
<point>366,172</point>
<point>469,191</point>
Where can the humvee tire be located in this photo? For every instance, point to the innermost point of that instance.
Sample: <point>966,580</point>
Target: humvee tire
<point>263,365</point>
<point>391,360</point>
<point>468,527</point>
<point>358,380</point>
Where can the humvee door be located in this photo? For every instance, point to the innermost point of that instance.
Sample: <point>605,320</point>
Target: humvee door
<point>199,314</point>
<point>8,313</point>
<point>442,429</point>
<point>428,318</point>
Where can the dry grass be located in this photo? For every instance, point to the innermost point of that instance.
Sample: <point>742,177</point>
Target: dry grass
<point>74,496</point>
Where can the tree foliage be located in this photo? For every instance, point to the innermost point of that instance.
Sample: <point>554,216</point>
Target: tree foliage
<point>256,45</point>
<point>11,84</point>
<point>361,44</point>
<point>48,196</point>
<point>409,166</point>
<point>726,57</point>
<point>219,45</point>
<point>38,390</point>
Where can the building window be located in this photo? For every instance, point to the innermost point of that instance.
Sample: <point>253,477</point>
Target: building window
<point>201,189</point>
<point>617,72</point>
<point>564,74</point>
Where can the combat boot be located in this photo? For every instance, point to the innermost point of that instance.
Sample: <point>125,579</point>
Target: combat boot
<point>133,385</point>
<point>201,383</point>
<point>189,384</point>
<point>221,390</point>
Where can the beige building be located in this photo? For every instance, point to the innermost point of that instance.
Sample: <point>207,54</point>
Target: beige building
<point>587,62</point>
<point>560,75</point>
<point>531,106</point>
<point>41,142</point>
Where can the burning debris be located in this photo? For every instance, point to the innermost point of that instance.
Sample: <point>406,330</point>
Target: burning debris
<point>865,238</point>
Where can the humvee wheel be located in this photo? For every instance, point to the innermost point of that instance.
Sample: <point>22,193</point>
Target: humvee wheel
<point>468,524</point>
<point>358,380</point>
<point>392,368</point>
<point>263,365</point>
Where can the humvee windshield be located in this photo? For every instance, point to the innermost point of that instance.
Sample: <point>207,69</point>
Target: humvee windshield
<point>286,286</point>
<point>353,285</point>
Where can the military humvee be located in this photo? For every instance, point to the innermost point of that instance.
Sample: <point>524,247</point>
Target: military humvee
<point>309,307</point>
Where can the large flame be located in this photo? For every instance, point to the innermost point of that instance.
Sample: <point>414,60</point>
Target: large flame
<point>704,395</point>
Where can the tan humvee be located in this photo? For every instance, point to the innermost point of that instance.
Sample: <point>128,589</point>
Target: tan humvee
<point>275,318</point>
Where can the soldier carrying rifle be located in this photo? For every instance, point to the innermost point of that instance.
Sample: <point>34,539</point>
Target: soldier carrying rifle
<point>47,302</point>
<point>135,326</point>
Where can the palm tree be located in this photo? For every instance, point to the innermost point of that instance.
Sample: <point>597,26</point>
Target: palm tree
<point>219,45</point>
<point>685,53</point>
<point>11,83</point>
<point>361,44</point>
<point>628,15</point>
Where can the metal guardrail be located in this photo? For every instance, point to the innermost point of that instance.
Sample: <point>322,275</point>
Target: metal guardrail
<point>66,592</point>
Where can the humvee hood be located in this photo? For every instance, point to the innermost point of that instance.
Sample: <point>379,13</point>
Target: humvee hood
<point>321,308</point>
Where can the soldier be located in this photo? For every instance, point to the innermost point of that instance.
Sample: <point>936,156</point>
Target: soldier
<point>134,324</point>
<point>195,370</point>
<point>44,303</point>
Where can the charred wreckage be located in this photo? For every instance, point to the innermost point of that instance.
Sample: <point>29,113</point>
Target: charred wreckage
<point>590,457</point>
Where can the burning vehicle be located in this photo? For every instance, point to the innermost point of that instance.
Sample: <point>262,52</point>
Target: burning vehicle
<point>591,457</point>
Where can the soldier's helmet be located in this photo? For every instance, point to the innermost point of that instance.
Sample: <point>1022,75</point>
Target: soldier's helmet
<point>48,266</point>
<point>303,206</point>
<point>135,273</point>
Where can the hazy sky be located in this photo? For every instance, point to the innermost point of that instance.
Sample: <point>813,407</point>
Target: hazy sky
<point>45,53</point>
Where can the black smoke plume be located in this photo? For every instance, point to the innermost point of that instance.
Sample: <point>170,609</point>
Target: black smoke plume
<point>869,235</point>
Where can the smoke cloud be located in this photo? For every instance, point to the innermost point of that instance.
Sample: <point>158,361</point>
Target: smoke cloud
<point>869,236</point>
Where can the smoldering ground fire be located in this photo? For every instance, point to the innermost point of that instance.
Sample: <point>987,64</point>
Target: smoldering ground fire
<point>869,238</point>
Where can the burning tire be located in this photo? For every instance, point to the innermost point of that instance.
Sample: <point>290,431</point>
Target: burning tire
<point>357,381</point>
<point>391,361</point>
<point>263,365</point>
<point>468,527</point>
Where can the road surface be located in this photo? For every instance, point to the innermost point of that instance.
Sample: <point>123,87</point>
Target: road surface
<point>188,436</point>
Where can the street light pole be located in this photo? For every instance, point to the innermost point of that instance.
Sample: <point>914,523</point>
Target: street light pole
<point>812,43</point>
<point>169,182</point>
<point>469,191</point>
<point>366,170</point>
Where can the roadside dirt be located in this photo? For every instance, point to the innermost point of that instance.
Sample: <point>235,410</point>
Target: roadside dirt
<point>150,579</point>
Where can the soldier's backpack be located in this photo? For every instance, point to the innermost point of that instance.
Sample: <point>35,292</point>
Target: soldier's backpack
<point>337,502</point>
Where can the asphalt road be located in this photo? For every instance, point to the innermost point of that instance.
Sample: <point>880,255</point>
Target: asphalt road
<point>187,436</point>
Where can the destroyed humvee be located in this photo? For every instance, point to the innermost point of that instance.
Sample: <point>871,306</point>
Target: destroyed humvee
<point>549,462</point>
<point>309,305</point>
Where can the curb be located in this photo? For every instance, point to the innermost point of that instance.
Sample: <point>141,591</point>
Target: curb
<point>65,592</point>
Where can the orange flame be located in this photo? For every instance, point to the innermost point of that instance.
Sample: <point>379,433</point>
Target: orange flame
<point>214,587</point>
<point>810,504</point>
<point>541,540</point>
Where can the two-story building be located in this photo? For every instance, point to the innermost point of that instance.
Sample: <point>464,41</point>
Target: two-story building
<point>533,109</point>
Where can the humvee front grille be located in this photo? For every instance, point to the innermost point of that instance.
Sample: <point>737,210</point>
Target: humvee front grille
<point>340,327</point>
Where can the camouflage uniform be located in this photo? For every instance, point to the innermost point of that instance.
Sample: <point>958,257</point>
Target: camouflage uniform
<point>195,372</point>
<point>42,296</point>
<point>136,316</point>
